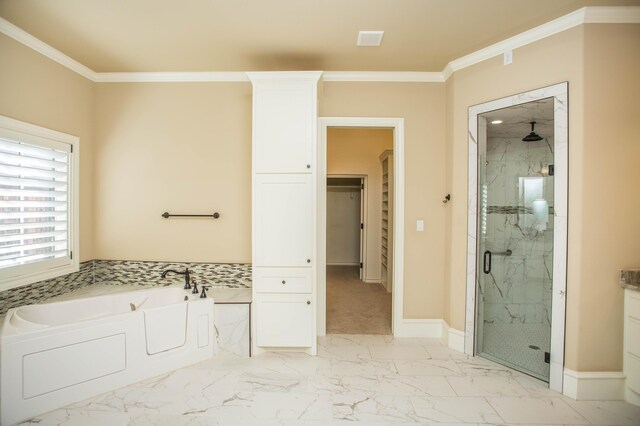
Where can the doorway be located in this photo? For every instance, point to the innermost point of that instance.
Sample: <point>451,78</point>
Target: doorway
<point>347,221</point>
<point>518,232</point>
<point>396,127</point>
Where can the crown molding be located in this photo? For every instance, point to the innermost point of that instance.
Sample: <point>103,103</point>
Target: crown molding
<point>170,77</point>
<point>550,28</point>
<point>586,15</point>
<point>43,48</point>
<point>612,15</point>
<point>384,76</point>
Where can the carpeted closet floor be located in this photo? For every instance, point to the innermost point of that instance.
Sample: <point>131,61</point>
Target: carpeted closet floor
<point>355,307</point>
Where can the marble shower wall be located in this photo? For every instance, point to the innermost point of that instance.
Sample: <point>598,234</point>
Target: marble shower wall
<point>518,288</point>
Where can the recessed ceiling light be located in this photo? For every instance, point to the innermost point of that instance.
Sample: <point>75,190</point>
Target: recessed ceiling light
<point>370,38</point>
<point>496,122</point>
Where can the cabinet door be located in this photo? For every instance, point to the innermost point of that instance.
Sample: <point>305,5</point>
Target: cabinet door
<point>283,220</point>
<point>284,118</point>
<point>284,320</point>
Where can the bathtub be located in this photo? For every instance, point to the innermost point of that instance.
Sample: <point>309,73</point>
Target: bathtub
<point>58,353</point>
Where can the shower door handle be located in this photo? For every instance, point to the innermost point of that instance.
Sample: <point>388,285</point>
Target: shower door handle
<point>486,267</point>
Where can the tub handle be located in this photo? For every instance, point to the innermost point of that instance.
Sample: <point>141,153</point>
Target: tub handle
<point>203,295</point>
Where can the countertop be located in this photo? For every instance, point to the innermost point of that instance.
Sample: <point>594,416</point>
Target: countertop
<point>630,278</point>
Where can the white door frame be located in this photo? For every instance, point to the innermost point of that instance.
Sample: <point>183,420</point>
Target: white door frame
<point>560,203</point>
<point>363,217</point>
<point>397,294</point>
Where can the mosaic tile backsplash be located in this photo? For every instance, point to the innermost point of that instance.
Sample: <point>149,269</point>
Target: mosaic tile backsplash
<point>43,290</point>
<point>125,272</point>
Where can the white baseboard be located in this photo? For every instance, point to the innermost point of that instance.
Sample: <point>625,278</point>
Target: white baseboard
<point>435,328</point>
<point>596,385</point>
<point>420,328</point>
<point>373,281</point>
<point>456,340</point>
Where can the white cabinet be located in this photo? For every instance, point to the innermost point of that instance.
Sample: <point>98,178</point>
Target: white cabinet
<point>285,116</point>
<point>631,356</point>
<point>284,320</point>
<point>283,226</point>
<point>282,118</point>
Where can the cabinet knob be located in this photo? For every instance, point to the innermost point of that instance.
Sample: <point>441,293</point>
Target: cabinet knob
<point>283,282</point>
<point>308,302</point>
<point>308,260</point>
<point>308,166</point>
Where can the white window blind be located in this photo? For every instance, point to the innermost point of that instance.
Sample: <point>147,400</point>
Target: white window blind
<point>35,204</point>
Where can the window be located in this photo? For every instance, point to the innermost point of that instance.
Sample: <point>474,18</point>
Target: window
<point>38,203</point>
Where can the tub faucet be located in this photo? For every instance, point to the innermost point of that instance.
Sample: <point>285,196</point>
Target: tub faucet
<point>186,273</point>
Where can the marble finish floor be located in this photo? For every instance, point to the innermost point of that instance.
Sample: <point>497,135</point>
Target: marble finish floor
<point>355,380</point>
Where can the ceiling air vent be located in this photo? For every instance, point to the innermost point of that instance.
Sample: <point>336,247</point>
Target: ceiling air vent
<point>370,38</point>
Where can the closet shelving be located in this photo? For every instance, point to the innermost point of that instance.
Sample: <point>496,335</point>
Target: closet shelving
<point>386,159</point>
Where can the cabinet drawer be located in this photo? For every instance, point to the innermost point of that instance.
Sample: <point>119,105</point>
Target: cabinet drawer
<point>282,280</point>
<point>284,320</point>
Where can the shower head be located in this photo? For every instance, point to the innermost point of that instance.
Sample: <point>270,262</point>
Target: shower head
<point>533,136</point>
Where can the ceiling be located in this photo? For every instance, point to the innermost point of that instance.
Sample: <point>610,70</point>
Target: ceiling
<point>270,35</point>
<point>516,119</point>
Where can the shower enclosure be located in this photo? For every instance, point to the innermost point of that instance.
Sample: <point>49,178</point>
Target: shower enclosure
<point>517,232</point>
<point>515,238</point>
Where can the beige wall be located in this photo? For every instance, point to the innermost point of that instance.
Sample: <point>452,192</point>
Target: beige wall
<point>422,107</point>
<point>357,151</point>
<point>343,225</point>
<point>563,56</point>
<point>36,90</point>
<point>603,225</point>
<point>188,148</point>
<point>609,234</point>
<point>181,148</point>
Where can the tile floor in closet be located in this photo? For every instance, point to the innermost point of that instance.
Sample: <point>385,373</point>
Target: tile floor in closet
<point>354,380</point>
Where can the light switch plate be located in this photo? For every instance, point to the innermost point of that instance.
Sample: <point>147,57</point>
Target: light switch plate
<point>420,225</point>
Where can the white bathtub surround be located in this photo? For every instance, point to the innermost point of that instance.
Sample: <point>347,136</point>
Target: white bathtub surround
<point>231,322</point>
<point>230,315</point>
<point>58,353</point>
<point>231,329</point>
<point>355,379</point>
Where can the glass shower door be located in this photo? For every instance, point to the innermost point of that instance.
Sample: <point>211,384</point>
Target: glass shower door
<point>515,243</point>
